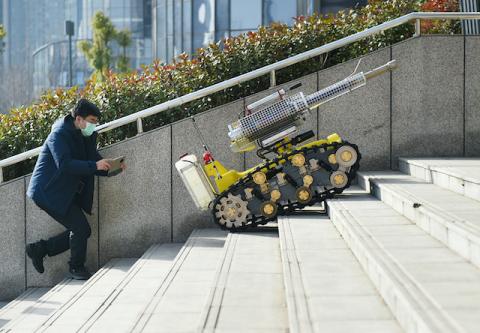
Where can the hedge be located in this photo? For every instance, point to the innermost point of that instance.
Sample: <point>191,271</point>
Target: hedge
<point>27,127</point>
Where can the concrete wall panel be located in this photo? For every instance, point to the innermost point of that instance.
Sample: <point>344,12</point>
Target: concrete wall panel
<point>12,239</point>
<point>427,98</point>
<point>134,210</point>
<point>472,96</point>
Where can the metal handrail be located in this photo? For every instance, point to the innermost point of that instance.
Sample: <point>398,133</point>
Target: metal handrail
<point>269,69</point>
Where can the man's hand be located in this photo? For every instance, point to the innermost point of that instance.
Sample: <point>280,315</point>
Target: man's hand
<point>103,165</point>
<point>123,166</point>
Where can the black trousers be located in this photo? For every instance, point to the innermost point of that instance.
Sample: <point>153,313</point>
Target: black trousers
<point>74,237</point>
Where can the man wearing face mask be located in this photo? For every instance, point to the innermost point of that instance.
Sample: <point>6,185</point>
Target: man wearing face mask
<point>62,185</point>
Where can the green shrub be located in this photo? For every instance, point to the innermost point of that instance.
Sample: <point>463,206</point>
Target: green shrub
<point>122,94</point>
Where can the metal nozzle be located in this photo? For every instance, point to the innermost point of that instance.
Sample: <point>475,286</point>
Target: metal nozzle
<point>380,70</point>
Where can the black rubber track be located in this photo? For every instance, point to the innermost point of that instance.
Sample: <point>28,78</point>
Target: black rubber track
<point>286,209</point>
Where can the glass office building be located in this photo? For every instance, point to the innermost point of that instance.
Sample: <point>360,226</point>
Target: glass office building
<point>36,36</point>
<point>14,18</point>
<point>133,15</point>
<point>185,25</point>
<point>51,62</point>
<point>51,66</point>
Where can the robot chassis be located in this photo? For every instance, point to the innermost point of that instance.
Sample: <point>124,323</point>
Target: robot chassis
<point>293,176</point>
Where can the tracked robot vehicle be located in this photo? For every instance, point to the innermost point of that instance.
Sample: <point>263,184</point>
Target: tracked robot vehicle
<point>293,174</point>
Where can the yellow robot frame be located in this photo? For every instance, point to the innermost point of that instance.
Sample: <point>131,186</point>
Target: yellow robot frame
<point>224,178</point>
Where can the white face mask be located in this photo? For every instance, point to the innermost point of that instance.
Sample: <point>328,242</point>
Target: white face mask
<point>89,128</point>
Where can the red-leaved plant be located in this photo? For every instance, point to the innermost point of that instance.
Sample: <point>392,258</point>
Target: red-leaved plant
<point>440,26</point>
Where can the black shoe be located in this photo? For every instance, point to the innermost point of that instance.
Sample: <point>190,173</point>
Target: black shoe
<point>79,273</point>
<point>36,252</point>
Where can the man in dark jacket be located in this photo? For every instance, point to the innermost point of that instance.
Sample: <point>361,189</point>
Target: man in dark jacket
<point>62,185</point>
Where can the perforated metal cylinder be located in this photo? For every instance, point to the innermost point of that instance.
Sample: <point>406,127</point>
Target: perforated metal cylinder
<point>336,90</point>
<point>264,122</point>
<point>284,113</point>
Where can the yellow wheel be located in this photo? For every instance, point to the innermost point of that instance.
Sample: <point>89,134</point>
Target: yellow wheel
<point>269,209</point>
<point>298,160</point>
<point>275,195</point>
<point>304,195</point>
<point>346,156</point>
<point>332,159</point>
<point>259,178</point>
<point>307,180</point>
<point>338,179</point>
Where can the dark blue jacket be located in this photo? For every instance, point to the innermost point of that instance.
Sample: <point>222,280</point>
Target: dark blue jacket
<point>67,159</point>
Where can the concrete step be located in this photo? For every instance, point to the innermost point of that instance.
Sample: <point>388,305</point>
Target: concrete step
<point>122,308</point>
<point>326,288</point>
<point>35,314</point>
<point>247,294</point>
<point>451,218</point>
<point>11,310</point>
<point>73,313</point>
<point>176,301</point>
<point>68,295</point>
<point>461,175</point>
<point>428,287</point>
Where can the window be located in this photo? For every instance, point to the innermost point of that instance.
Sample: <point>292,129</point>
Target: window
<point>178,47</point>
<point>245,14</point>
<point>333,6</point>
<point>147,18</point>
<point>203,22</point>
<point>187,26</point>
<point>116,12</point>
<point>222,14</point>
<point>161,30</point>
<point>170,20</point>
<point>307,7</point>
<point>279,11</point>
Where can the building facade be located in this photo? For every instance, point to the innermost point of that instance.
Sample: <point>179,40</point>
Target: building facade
<point>470,27</point>
<point>49,49</point>
<point>185,25</point>
<point>14,18</point>
<point>51,62</point>
<point>15,67</point>
<point>37,42</point>
<point>133,15</point>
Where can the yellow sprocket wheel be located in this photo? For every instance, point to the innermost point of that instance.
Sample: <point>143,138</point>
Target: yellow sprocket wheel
<point>269,209</point>
<point>304,195</point>
<point>338,179</point>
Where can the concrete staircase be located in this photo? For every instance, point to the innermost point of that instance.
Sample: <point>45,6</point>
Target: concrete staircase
<point>12,310</point>
<point>248,291</point>
<point>400,255</point>
<point>327,289</point>
<point>161,291</point>
<point>418,242</point>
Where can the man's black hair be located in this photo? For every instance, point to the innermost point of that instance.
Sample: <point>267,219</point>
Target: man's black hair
<point>85,108</point>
